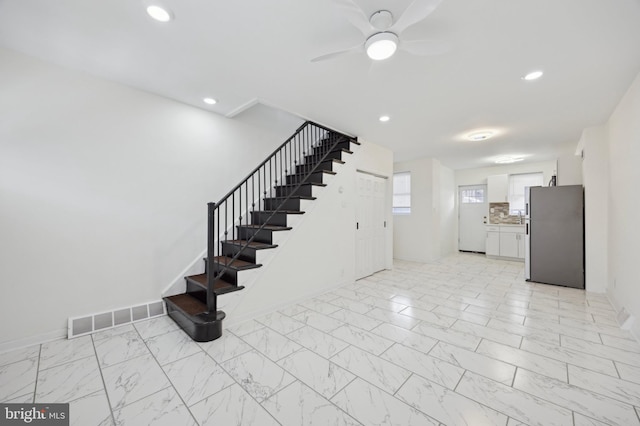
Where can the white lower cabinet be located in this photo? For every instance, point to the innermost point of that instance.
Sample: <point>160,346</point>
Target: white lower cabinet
<point>505,241</point>
<point>493,243</point>
<point>508,244</point>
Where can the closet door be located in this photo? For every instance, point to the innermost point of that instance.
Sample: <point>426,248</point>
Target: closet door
<point>370,225</point>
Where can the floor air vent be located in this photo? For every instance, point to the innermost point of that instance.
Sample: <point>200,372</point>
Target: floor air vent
<point>81,326</point>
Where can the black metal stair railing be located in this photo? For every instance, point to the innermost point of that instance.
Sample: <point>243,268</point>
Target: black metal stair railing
<point>307,147</point>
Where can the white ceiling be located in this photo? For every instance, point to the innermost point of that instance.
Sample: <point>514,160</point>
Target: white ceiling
<point>241,52</point>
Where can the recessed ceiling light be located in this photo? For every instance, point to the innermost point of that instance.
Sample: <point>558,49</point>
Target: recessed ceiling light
<point>508,160</point>
<point>480,136</point>
<point>381,45</point>
<point>534,75</point>
<point>159,13</point>
<point>384,118</point>
<point>210,101</point>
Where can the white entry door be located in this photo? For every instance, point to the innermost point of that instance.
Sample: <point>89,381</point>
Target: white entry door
<point>473,209</point>
<point>370,225</point>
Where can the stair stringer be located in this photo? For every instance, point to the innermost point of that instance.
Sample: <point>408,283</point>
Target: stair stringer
<point>316,256</point>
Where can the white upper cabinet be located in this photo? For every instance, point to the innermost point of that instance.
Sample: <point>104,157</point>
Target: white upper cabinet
<point>498,188</point>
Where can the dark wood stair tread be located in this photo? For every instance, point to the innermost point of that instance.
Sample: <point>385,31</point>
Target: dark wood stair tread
<point>267,227</point>
<point>293,197</point>
<point>279,211</point>
<point>219,287</point>
<point>295,185</point>
<point>189,304</point>
<point>345,150</point>
<point>257,245</point>
<point>334,160</point>
<point>236,264</point>
<point>329,172</point>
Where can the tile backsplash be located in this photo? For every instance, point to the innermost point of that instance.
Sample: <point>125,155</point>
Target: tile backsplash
<point>499,213</point>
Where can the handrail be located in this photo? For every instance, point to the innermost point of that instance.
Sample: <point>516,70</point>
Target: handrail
<point>310,144</point>
<point>306,123</point>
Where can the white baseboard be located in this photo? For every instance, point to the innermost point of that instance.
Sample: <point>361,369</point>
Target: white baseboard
<point>33,340</point>
<point>632,325</point>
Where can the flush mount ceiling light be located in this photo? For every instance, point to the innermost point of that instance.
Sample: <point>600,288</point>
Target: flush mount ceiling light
<point>384,118</point>
<point>381,46</point>
<point>210,101</point>
<point>480,135</point>
<point>508,160</point>
<point>159,13</point>
<point>533,75</point>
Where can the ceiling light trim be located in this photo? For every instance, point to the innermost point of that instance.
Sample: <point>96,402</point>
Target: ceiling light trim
<point>381,46</point>
<point>508,160</point>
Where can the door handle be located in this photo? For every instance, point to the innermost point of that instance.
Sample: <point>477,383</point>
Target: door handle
<point>357,225</point>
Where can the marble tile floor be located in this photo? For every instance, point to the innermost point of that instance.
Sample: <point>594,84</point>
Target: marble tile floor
<point>462,341</point>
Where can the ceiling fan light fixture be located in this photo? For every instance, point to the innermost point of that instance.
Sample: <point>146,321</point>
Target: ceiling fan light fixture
<point>159,13</point>
<point>381,46</point>
<point>533,75</point>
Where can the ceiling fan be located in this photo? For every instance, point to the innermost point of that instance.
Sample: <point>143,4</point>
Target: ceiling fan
<point>383,34</point>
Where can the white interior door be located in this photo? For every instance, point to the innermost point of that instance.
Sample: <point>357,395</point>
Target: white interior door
<point>379,223</point>
<point>370,225</point>
<point>473,209</point>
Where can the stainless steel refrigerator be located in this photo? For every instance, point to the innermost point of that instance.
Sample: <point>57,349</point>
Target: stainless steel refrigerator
<point>554,235</point>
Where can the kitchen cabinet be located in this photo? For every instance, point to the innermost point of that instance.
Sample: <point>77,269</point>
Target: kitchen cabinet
<point>505,241</point>
<point>498,188</point>
<point>493,241</point>
<point>509,244</point>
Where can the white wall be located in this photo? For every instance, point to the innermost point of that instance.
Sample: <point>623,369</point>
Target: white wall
<point>624,233</point>
<point>479,175</point>
<point>447,206</point>
<point>103,191</point>
<point>413,233</point>
<point>319,254</point>
<point>596,190</point>
<point>427,233</point>
<point>570,170</point>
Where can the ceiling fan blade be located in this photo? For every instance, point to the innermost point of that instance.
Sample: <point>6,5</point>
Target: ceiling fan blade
<point>424,47</point>
<point>355,15</point>
<point>332,55</point>
<point>416,12</point>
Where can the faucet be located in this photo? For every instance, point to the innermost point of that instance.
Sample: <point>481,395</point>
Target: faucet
<point>520,217</point>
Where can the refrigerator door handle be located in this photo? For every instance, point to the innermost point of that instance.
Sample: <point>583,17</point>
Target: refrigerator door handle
<point>526,228</point>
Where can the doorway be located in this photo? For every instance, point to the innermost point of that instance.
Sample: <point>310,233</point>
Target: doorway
<point>473,208</point>
<point>370,224</point>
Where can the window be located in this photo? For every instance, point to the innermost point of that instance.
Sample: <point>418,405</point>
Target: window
<point>472,196</point>
<point>402,193</point>
<point>517,183</point>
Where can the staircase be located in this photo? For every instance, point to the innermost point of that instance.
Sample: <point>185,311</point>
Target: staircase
<point>246,220</point>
